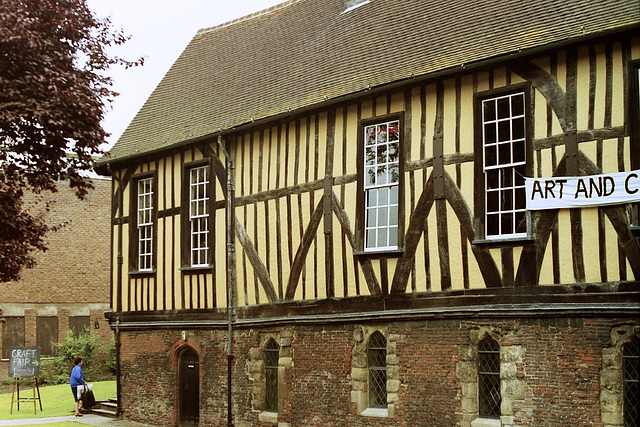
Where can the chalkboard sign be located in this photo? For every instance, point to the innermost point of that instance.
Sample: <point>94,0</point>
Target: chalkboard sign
<point>24,362</point>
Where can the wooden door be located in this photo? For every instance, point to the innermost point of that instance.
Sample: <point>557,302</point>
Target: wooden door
<point>189,383</point>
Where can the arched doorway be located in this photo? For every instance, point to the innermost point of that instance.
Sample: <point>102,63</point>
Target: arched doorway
<point>189,387</point>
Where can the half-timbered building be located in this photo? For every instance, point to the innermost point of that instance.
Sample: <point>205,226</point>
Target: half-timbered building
<point>321,216</point>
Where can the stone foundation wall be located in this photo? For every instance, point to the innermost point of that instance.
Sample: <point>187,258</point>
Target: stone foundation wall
<point>552,373</point>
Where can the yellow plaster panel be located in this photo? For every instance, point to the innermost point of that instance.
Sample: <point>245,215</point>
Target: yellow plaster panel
<point>466,115</point>
<point>338,142</point>
<point>291,149</point>
<point>590,245</point>
<point>582,96</point>
<point>516,79</point>
<point>366,109</point>
<point>126,198</point>
<point>322,144</point>
<point>562,70</point>
<point>352,135</point>
<point>543,62</point>
<point>483,81</point>
<point>177,179</point>
<point>449,119</point>
<point>466,181</point>
<point>220,255</point>
<point>302,159</point>
<point>611,245</point>
<point>434,256</point>
<point>540,114</point>
<point>455,249</point>
<point>397,102</point>
<point>499,77</point>
<point>496,254</point>
<point>589,149</point>
<point>635,48</point>
<point>381,105</point>
<point>158,188</point>
<point>167,254</point>
<point>546,269</point>
<point>416,125</point>
<point>476,281</point>
<point>564,247</point>
<point>610,156</point>
<point>601,86</point>
<point>431,100</point>
<point>618,95</point>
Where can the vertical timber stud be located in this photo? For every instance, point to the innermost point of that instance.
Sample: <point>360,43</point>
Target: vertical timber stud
<point>327,205</point>
<point>441,210</point>
<point>230,223</point>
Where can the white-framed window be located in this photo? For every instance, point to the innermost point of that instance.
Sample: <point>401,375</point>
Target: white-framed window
<point>381,185</point>
<point>503,133</point>
<point>145,224</point>
<point>199,215</point>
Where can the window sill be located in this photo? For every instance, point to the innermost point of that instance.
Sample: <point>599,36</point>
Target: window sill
<point>268,417</point>
<point>395,253</point>
<point>515,241</point>
<point>196,270</point>
<point>486,422</point>
<point>375,412</point>
<point>143,273</point>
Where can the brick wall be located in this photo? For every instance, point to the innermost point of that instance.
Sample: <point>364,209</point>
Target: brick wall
<point>557,364</point>
<point>76,267</point>
<point>72,278</point>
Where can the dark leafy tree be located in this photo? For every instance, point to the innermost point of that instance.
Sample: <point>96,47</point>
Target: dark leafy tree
<point>54,93</point>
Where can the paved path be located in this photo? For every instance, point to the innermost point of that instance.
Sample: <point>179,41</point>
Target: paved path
<point>87,419</point>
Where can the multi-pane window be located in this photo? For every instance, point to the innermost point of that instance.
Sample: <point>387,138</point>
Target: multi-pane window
<point>12,334</point>
<point>381,185</point>
<point>199,215</point>
<point>631,380</point>
<point>377,364</point>
<point>489,397</point>
<point>504,165</point>
<point>272,355</point>
<point>145,224</point>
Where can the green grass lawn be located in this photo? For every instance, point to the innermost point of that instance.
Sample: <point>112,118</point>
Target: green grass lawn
<point>57,401</point>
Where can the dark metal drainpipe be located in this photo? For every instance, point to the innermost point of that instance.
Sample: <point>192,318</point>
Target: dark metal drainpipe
<point>231,277</point>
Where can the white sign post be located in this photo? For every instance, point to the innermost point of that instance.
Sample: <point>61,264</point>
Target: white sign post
<point>580,191</point>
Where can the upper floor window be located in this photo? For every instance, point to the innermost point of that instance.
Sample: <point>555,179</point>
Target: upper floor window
<point>381,184</point>
<point>145,224</point>
<point>502,143</point>
<point>489,396</point>
<point>377,364</point>
<point>631,382</point>
<point>199,215</point>
<point>634,123</point>
<point>271,363</point>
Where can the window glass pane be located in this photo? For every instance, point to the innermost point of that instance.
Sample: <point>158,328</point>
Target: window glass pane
<point>371,217</point>
<point>506,225</point>
<point>492,178</point>
<point>371,238</point>
<point>504,131</point>
<point>490,156</point>
<point>393,215</point>
<point>382,237</point>
<point>382,216</point>
<point>489,110</point>
<point>490,133</point>
<point>518,151</point>
<point>372,198</point>
<point>493,201</point>
<point>517,104</point>
<point>393,236</point>
<point>492,226</point>
<point>369,176</point>
<point>394,195</point>
<point>503,107</point>
<point>518,128</point>
<point>504,153</point>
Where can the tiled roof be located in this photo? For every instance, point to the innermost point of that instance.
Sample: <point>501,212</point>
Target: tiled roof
<point>293,55</point>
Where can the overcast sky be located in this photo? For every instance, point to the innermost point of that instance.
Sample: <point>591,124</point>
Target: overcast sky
<point>160,31</point>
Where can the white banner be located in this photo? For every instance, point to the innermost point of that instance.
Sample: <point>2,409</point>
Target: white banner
<point>579,191</point>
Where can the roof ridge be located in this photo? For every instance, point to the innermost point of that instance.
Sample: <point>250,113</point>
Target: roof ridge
<point>248,17</point>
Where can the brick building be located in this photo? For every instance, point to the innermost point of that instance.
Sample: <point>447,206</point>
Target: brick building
<point>324,215</point>
<point>69,286</point>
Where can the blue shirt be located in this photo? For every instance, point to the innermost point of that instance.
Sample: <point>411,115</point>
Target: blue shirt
<point>76,376</point>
